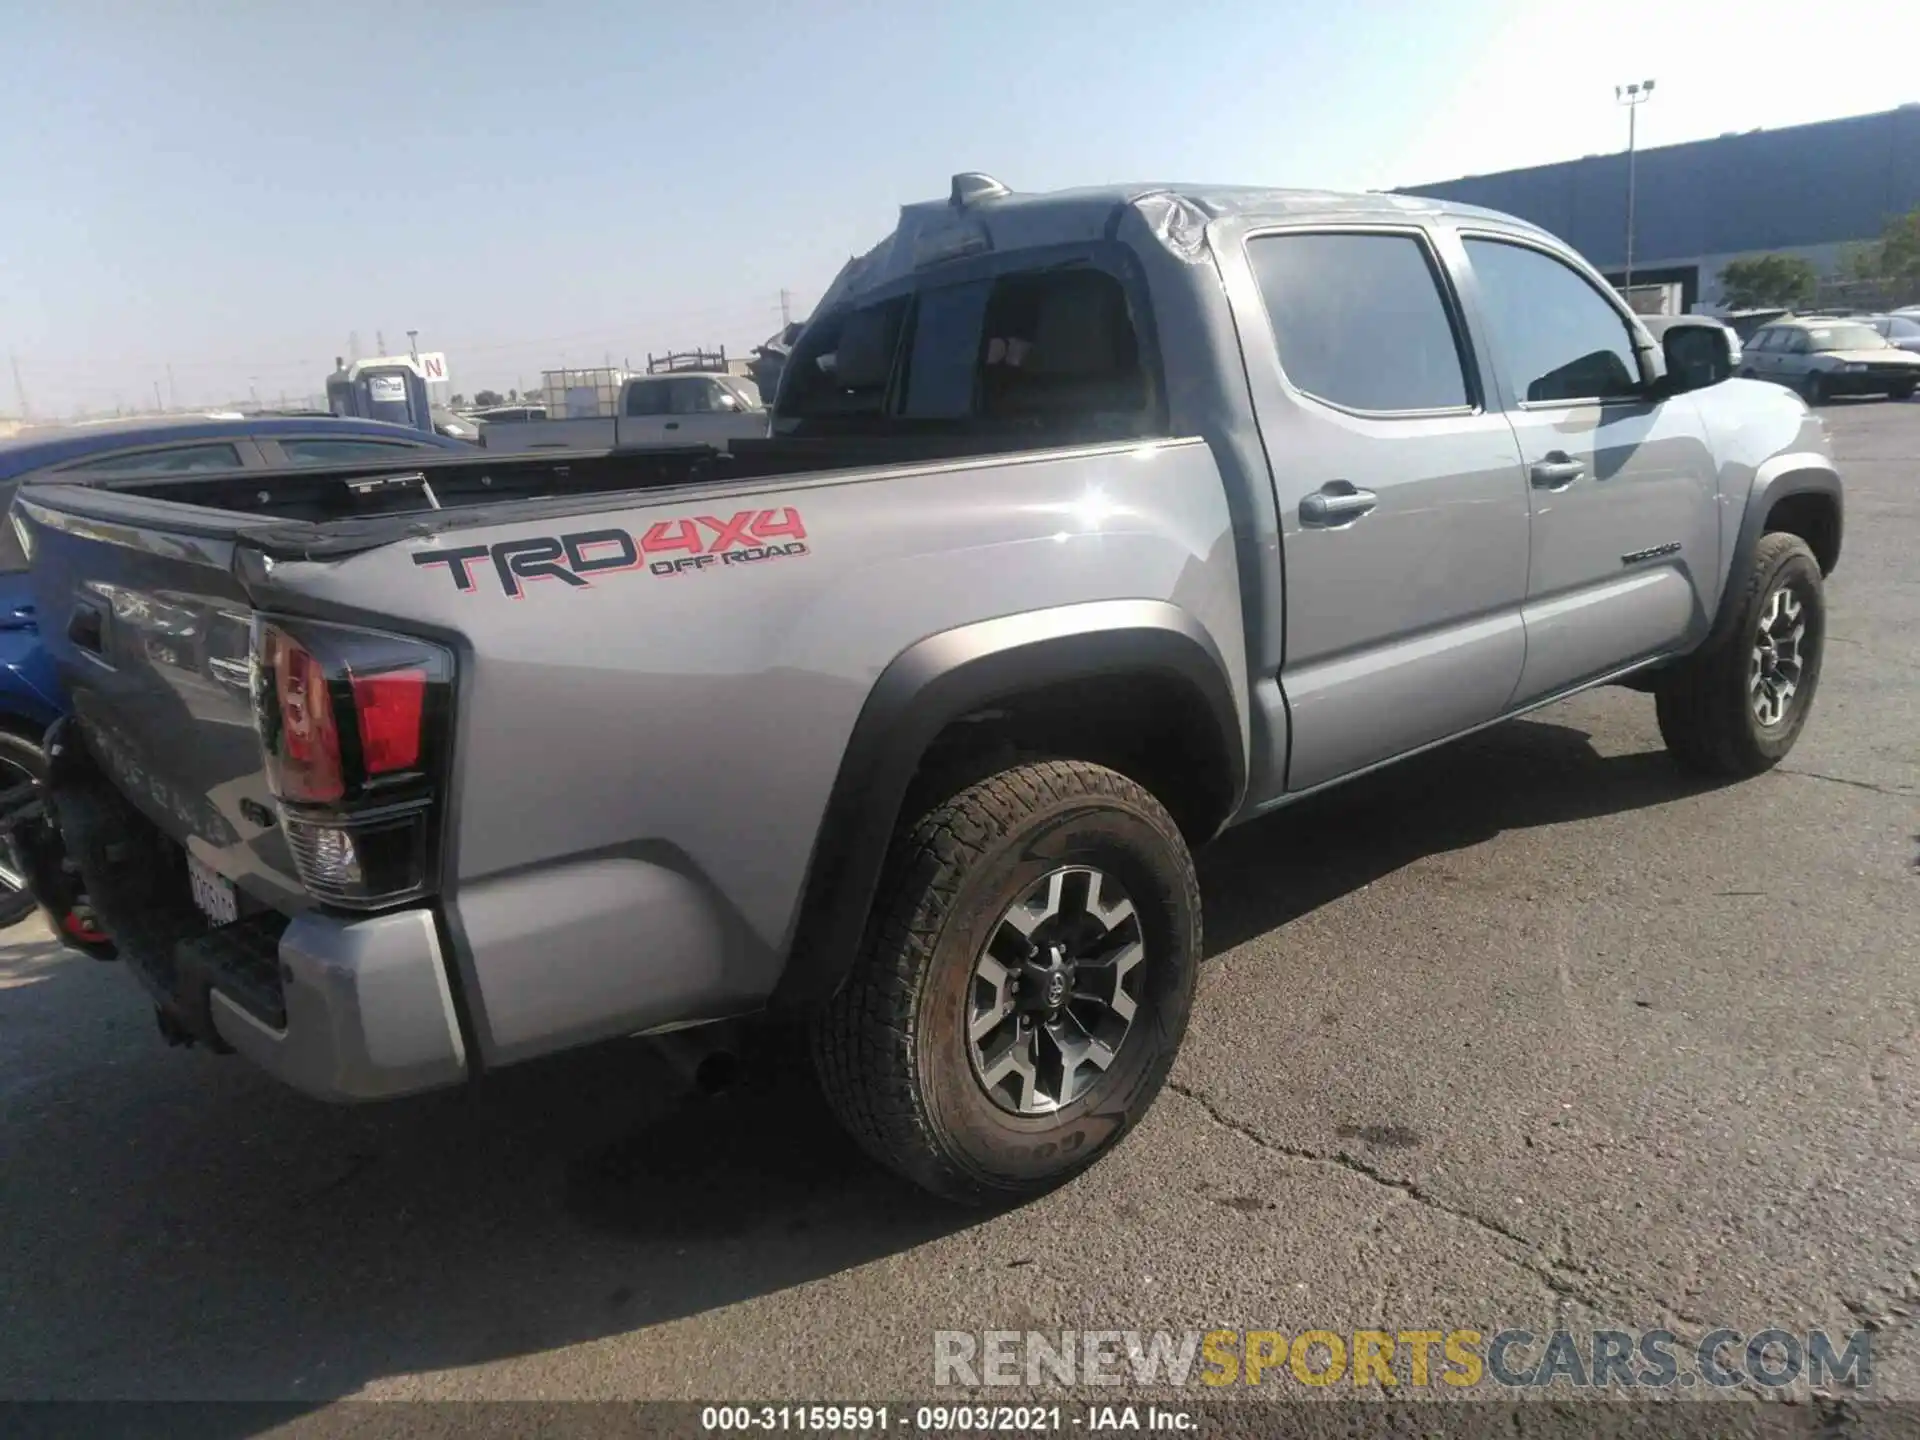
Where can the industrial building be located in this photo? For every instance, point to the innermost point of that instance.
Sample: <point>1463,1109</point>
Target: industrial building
<point>1808,190</point>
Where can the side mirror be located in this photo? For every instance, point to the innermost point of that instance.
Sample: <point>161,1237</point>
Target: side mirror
<point>1697,356</point>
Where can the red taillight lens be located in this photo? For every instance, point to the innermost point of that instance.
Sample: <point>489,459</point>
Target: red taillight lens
<point>354,725</point>
<point>309,750</point>
<point>390,708</point>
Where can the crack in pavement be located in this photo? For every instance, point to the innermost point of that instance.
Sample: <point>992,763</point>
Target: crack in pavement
<point>1554,1274</point>
<point>1856,784</point>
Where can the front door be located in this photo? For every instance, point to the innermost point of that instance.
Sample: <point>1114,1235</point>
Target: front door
<point>1403,508</point>
<point>1622,484</point>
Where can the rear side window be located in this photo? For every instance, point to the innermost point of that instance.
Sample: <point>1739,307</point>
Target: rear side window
<point>1361,320</point>
<point>175,460</point>
<point>340,452</point>
<point>648,399</point>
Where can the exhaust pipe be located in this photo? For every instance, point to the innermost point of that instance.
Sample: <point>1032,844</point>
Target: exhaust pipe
<point>705,1057</point>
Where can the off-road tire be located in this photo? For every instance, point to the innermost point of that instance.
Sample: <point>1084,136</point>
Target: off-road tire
<point>1705,710</point>
<point>20,756</point>
<point>891,1048</point>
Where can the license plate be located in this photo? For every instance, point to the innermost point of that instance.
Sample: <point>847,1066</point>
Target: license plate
<point>213,893</point>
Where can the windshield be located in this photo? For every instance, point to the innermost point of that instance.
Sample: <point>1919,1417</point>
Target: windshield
<point>1845,337</point>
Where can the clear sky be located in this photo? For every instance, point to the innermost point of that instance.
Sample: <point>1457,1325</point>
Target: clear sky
<point>235,189</point>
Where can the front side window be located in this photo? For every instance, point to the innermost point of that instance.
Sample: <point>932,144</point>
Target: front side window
<point>175,460</point>
<point>1559,339</point>
<point>692,397</point>
<point>1360,320</point>
<point>304,451</point>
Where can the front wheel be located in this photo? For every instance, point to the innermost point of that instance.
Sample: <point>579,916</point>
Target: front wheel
<point>1736,708</point>
<point>1816,389</point>
<point>1025,981</point>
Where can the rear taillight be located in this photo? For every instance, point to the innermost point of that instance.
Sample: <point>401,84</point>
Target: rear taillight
<point>355,725</point>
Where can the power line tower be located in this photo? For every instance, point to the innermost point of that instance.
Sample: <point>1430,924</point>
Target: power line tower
<point>20,390</point>
<point>786,308</point>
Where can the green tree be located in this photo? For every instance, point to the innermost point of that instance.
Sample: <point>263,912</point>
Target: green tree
<point>1763,280</point>
<point>487,397</point>
<point>1899,248</point>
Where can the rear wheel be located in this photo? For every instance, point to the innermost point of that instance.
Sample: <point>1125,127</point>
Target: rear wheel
<point>1901,392</point>
<point>1737,708</point>
<point>1024,984</point>
<point>20,761</point>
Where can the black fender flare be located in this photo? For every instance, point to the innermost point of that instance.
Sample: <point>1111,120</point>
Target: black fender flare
<point>941,679</point>
<point>1787,475</point>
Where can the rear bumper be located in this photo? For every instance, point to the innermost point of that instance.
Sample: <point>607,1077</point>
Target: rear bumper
<point>368,1013</point>
<point>343,1008</point>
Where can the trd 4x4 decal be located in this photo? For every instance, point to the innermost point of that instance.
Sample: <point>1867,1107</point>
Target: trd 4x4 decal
<point>668,547</point>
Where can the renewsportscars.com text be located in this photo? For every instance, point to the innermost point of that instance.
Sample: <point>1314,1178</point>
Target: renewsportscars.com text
<point>1459,1358</point>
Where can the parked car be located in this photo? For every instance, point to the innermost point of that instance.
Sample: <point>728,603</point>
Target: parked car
<point>1092,524</point>
<point>676,409</point>
<point>30,696</point>
<point>1823,358</point>
<point>1900,330</point>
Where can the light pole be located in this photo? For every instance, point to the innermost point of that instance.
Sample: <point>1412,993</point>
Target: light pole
<point>1633,97</point>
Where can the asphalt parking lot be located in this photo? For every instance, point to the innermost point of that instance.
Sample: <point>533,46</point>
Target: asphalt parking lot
<point>1531,1030</point>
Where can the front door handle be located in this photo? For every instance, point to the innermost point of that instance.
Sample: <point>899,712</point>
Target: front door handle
<point>1336,503</point>
<point>1557,472</point>
<point>673,424</point>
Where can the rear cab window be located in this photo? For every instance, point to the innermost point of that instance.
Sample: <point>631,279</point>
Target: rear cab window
<point>1049,354</point>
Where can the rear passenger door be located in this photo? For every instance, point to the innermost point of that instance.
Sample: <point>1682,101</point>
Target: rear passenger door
<point>1623,487</point>
<point>1403,507</point>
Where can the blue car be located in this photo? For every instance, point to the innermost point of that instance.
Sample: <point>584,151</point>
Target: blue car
<point>30,698</point>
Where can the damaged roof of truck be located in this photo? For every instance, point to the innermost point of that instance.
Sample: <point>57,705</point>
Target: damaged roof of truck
<point>980,214</point>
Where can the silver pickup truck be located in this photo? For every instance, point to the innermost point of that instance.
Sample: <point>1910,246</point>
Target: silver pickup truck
<point>1091,524</point>
<point>686,408</point>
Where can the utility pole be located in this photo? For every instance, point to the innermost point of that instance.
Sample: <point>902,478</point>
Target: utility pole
<point>173,394</point>
<point>380,339</point>
<point>413,343</point>
<point>158,403</point>
<point>20,390</point>
<point>1633,97</point>
<point>786,309</point>
<point>353,346</point>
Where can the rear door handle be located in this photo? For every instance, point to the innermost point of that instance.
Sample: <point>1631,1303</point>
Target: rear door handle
<point>1557,472</point>
<point>1336,503</point>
